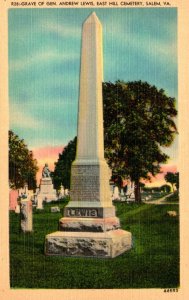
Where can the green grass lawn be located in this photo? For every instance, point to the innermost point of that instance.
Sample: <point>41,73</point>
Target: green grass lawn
<point>153,262</point>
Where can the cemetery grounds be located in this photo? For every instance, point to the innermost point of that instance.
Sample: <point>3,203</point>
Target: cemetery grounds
<point>153,261</point>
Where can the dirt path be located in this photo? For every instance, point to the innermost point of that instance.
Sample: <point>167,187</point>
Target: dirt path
<point>162,200</point>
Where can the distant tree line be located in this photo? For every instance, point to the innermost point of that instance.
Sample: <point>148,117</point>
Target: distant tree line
<point>163,188</point>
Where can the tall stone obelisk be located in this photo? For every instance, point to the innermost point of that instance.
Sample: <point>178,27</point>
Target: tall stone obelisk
<point>89,226</point>
<point>90,173</point>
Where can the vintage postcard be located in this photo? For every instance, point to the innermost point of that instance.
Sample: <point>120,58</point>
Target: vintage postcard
<point>94,149</point>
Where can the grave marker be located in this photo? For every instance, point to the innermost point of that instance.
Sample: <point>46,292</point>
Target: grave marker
<point>89,226</point>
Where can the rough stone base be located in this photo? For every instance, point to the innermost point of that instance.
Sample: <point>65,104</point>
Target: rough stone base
<point>88,244</point>
<point>89,224</point>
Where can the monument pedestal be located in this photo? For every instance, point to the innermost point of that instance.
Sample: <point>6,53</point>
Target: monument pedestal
<point>89,224</point>
<point>46,191</point>
<point>88,244</point>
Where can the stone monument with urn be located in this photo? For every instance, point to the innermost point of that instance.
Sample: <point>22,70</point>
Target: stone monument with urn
<point>89,226</point>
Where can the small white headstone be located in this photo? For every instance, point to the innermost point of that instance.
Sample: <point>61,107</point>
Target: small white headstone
<point>132,195</point>
<point>62,192</point>
<point>55,209</point>
<point>17,209</point>
<point>122,192</point>
<point>26,215</point>
<point>66,192</point>
<point>39,203</point>
<point>172,213</point>
<point>116,195</point>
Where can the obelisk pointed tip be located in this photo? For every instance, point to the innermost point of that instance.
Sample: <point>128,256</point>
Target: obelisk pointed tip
<point>93,15</point>
<point>92,19</point>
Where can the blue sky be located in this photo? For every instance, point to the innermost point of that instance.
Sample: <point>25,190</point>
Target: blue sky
<point>44,63</point>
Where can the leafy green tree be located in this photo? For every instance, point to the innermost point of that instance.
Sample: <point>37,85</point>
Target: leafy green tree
<point>172,178</point>
<point>22,165</point>
<point>62,172</point>
<point>138,122</point>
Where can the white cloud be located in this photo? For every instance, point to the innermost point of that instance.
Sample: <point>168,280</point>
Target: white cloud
<point>21,119</point>
<point>164,50</point>
<point>63,31</point>
<point>22,64</point>
<point>154,47</point>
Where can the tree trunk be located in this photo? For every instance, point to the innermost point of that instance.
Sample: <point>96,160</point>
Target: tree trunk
<point>137,192</point>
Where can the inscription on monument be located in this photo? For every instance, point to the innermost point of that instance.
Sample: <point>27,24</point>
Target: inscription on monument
<point>83,212</point>
<point>85,183</point>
